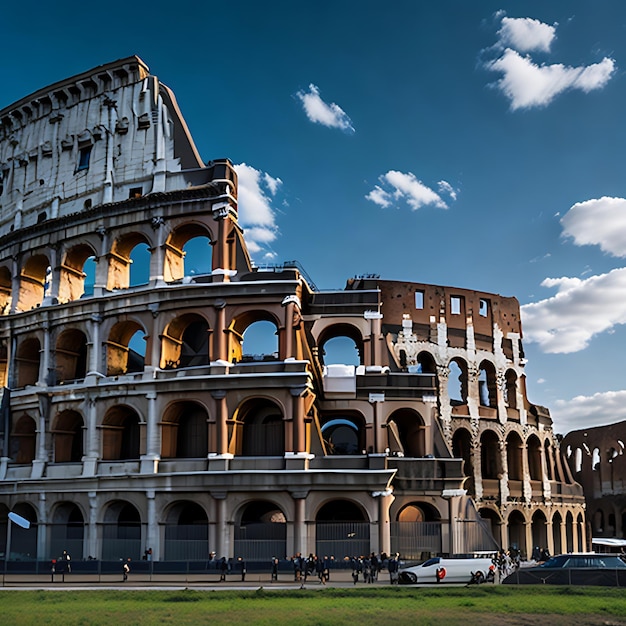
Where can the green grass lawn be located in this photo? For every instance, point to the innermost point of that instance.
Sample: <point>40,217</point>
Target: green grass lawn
<point>487,606</point>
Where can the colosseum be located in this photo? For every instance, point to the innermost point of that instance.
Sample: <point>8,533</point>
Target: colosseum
<point>236,410</point>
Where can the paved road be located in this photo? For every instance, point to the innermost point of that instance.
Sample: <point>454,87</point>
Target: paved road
<point>339,579</point>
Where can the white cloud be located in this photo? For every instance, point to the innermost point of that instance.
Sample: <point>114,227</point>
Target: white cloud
<point>408,188</point>
<point>580,310</point>
<point>598,222</point>
<point>527,84</point>
<point>380,196</point>
<point>599,409</point>
<point>525,34</point>
<point>319,112</point>
<point>446,187</point>
<point>256,214</point>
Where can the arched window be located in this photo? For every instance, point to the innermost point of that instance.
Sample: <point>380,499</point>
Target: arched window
<point>511,389</point>
<point>126,348</point>
<point>198,256</point>
<point>89,270</point>
<point>260,342</point>
<point>533,446</point>
<point>185,342</point>
<point>71,356</point>
<point>73,277</point>
<point>457,382</point>
<point>344,435</point>
<point>491,462</point>
<point>340,344</point>
<point>6,293</point>
<point>185,431</point>
<point>23,438</point>
<point>67,433</point>
<point>140,265</point>
<point>188,253</point>
<point>34,281</point>
<point>487,387</point>
<point>462,449</point>
<point>407,433</point>
<point>27,361</point>
<point>341,350</point>
<point>120,434</point>
<point>129,262</point>
<point>259,429</point>
<point>514,456</point>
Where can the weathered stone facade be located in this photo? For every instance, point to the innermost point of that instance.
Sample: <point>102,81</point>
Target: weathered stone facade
<point>596,459</point>
<point>135,415</point>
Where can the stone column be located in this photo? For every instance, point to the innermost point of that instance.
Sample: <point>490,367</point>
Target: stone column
<point>299,522</point>
<point>222,538</point>
<point>92,542</point>
<point>152,534</point>
<point>375,331</point>
<point>298,443</point>
<point>150,460</point>
<point>95,356</point>
<point>90,459</point>
<point>220,436</point>
<point>42,527</point>
<point>384,527</point>
<point>44,364</point>
<point>220,347</point>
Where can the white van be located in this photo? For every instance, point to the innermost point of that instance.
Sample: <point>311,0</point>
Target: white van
<point>444,570</point>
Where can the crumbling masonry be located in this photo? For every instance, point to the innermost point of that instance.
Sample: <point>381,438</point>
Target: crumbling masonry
<point>136,412</point>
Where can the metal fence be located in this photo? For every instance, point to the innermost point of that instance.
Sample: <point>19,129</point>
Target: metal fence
<point>186,542</point>
<point>261,541</point>
<point>342,539</point>
<point>413,540</point>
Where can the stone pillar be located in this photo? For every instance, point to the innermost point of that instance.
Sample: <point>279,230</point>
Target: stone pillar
<point>528,548</point>
<point>575,531</point>
<point>95,356</point>
<point>547,489</point>
<point>44,364</point>
<point>300,543</point>
<point>375,331</point>
<point>152,535</point>
<point>15,285</point>
<point>527,490</point>
<point>549,536</point>
<point>42,527</point>
<point>285,350</point>
<point>90,459</point>
<point>220,436</point>
<point>222,535</point>
<point>156,253</point>
<point>102,263</point>
<point>150,460</point>
<point>384,527</point>
<point>299,433</point>
<point>221,260</point>
<point>92,543</point>
<point>504,465</point>
<point>220,347</point>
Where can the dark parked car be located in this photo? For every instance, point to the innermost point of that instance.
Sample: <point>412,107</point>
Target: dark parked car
<point>607,570</point>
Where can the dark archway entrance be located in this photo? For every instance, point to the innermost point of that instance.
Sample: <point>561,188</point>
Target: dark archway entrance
<point>341,530</point>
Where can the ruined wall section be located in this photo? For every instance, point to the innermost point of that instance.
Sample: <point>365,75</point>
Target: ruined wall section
<point>103,136</point>
<point>596,459</point>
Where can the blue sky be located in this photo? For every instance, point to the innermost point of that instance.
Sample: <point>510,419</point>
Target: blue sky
<point>473,144</point>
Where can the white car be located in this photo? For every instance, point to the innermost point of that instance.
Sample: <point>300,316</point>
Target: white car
<point>443,570</point>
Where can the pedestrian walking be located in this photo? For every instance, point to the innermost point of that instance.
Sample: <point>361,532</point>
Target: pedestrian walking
<point>125,570</point>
